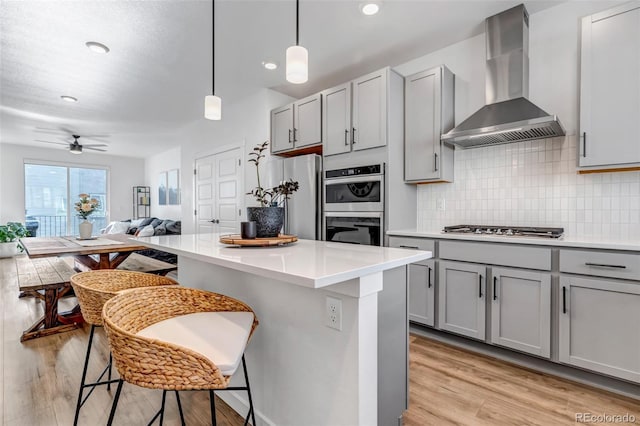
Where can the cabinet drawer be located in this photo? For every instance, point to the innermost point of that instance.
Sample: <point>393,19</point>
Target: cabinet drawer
<point>414,243</point>
<point>602,264</point>
<point>497,254</point>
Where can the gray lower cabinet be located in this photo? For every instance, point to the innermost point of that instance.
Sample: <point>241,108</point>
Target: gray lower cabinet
<point>421,292</point>
<point>461,298</point>
<point>600,326</point>
<point>521,310</point>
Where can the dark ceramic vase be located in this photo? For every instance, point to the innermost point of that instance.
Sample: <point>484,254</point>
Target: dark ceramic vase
<point>269,220</point>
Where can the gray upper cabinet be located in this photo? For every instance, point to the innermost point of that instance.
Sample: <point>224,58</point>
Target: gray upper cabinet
<point>610,88</point>
<point>282,128</point>
<point>336,125</point>
<point>599,326</point>
<point>355,114</point>
<point>421,292</point>
<point>297,125</point>
<point>461,298</point>
<point>429,112</point>
<point>521,310</point>
<point>370,110</point>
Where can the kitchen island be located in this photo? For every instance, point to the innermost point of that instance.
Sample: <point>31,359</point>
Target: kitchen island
<point>302,371</point>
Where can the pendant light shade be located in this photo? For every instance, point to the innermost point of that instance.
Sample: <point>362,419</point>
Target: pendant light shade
<point>297,57</point>
<point>212,107</point>
<point>213,103</point>
<point>297,65</point>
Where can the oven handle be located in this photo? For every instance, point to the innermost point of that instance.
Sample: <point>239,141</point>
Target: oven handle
<point>353,179</point>
<point>353,214</point>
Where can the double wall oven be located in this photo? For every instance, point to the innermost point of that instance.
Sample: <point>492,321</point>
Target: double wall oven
<point>354,205</point>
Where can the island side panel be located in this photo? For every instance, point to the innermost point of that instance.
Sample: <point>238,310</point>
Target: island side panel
<point>301,371</point>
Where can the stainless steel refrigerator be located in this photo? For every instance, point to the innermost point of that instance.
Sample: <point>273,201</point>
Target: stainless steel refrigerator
<point>304,210</point>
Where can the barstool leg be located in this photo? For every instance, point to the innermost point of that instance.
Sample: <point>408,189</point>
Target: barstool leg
<point>180,408</point>
<point>212,402</point>
<point>164,398</point>
<point>109,378</point>
<point>84,376</point>
<point>115,403</point>
<point>251,410</point>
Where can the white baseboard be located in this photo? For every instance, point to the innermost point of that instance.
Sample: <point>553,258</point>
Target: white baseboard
<point>240,405</point>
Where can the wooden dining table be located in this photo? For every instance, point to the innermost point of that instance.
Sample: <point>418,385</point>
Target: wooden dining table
<point>51,282</point>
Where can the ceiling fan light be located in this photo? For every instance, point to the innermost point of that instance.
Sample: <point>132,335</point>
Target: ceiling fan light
<point>96,47</point>
<point>68,98</point>
<point>75,149</point>
<point>297,65</point>
<point>212,107</point>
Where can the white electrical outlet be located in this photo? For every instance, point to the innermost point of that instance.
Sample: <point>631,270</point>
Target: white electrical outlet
<point>334,313</point>
<point>440,204</point>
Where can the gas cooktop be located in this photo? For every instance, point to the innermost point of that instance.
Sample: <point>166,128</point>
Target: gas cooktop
<point>508,231</point>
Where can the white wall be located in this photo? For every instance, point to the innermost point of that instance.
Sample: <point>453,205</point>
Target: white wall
<point>530,183</point>
<point>154,165</point>
<point>124,173</point>
<point>245,123</point>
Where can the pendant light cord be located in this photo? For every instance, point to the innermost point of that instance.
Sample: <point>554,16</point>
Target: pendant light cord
<point>297,23</point>
<point>213,47</point>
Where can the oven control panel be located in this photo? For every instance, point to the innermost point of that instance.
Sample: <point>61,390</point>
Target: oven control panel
<point>375,169</point>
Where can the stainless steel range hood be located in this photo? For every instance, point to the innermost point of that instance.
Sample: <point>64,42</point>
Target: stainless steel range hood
<point>508,116</point>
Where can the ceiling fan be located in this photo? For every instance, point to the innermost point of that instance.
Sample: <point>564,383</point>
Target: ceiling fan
<point>75,147</point>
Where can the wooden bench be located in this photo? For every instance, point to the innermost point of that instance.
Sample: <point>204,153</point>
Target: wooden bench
<point>139,263</point>
<point>47,279</point>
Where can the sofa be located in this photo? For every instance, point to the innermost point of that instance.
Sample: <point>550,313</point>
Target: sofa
<point>148,227</point>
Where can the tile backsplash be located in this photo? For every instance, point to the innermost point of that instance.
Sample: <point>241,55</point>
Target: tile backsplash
<point>533,183</point>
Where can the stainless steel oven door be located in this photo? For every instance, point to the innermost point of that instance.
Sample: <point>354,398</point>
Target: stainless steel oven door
<point>354,194</point>
<point>365,228</point>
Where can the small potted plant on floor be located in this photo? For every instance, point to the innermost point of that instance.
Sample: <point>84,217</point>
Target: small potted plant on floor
<point>270,214</point>
<point>9,235</point>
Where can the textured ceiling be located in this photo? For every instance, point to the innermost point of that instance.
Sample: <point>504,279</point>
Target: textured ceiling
<point>159,69</point>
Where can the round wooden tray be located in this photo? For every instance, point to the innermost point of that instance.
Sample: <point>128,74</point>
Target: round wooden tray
<point>258,242</point>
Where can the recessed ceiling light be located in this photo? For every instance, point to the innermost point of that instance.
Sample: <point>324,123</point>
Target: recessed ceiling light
<point>94,46</point>
<point>270,65</point>
<point>69,98</point>
<point>370,8</point>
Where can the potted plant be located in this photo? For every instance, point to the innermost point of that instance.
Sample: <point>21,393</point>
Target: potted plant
<point>84,208</point>
<point>9,235</point>
<point>270,215</point>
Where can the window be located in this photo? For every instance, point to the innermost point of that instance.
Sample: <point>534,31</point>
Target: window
<point>51,190</point>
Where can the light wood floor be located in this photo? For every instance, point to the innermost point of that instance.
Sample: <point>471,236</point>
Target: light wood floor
<point>40,380</point>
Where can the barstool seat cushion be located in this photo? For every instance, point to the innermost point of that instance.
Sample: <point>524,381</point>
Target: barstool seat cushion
<point>219,336</point>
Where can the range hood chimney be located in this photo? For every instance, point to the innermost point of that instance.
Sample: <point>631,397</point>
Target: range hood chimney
<point>508,115</point>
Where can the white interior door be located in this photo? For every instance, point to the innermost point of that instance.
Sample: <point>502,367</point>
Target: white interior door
<point>218,192</point>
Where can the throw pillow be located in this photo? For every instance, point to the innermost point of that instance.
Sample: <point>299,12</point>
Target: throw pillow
<point>173,227</point>
<point>146,222</point>
<point>118,228</point>
<point>147,231</point>
<point>136,223</point>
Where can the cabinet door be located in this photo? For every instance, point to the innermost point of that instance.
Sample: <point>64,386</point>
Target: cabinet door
<point>370,111</point>
<point>521,310</point>
<point>599,326</point>
<point>336,114</point>
<point>282,128</point>
<point>610,87</point>
<point>421,131</point>
<point>461,298</point>
<point>307,114</point>
<point>421,292</point>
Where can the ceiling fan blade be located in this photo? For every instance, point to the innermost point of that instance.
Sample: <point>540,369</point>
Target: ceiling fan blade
<point>94,145</point>
<point>57,143</point>
<point>93,149</point>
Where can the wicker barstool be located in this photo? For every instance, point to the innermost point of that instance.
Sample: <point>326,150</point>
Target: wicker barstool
<point>178,338</point>
<point>93,289</point>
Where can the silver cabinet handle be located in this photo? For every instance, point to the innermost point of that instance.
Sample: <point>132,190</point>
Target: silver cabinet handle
<point>564,300</point>
<point>495,291</point>
<point>603,265</point>
<point>584,144</point>
<point>346,137</point>
<point>295,134</point>
<point>429,277</point>
<point>410,247</point>
<point>353,135</point>
<point>480,286</point>
<point>435,162</point>
<point>290,141</point>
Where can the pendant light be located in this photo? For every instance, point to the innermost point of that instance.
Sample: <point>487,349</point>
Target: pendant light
<point>297,57</point>
<point>213,103</point>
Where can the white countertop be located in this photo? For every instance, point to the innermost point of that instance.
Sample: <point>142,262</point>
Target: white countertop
<point>593,243</point>
<point>306,263</point>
